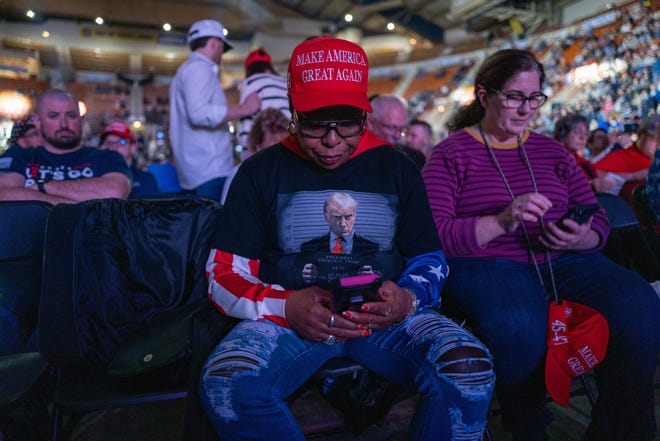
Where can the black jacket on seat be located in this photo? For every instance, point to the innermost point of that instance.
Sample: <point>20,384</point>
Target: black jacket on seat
<point>112,266</point>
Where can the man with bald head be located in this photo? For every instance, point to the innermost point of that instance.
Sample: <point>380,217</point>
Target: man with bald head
<point>62,170</point>
<point>389,118</point>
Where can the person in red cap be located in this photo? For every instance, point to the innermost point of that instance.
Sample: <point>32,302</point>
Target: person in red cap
<point>201,142</point>
<point>288,330</point>
<point>117,136</point>
<point>632,164</point>
<point>261,77</point>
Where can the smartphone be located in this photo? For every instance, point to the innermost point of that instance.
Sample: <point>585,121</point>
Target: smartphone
<point>349,293</point>
<point>578,214</point>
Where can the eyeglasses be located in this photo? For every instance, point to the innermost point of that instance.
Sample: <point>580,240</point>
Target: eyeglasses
<point>390,127</point>
<point>122,141</point>
<point>514,100</point>
<point>320,129</point>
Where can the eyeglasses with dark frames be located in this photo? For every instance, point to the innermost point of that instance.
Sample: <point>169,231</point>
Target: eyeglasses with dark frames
<point>320,129</point>
<point>514,100</point>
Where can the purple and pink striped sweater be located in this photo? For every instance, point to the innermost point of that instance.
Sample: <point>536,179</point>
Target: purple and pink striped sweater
<point>463,185</point>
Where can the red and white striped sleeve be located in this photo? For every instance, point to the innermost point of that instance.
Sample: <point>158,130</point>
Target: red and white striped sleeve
<point>235,289</point>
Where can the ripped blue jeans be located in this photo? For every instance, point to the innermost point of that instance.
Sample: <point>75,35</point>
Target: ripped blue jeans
<point>253,370</point>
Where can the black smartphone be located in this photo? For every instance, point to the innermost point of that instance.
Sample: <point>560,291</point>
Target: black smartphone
<point>349,293</point>
<point>578,214</point>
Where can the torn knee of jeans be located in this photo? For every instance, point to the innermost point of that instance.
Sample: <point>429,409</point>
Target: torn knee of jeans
<point>464,360</point>
<point>462,430</point>
<point>228,366</point>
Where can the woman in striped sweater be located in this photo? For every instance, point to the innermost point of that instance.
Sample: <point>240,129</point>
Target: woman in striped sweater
<point>497,190</point>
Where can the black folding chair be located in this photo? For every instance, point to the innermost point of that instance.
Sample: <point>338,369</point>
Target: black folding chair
<point>122,283</point>
<point>628,244</point>
<point>647,217</point>
<point>22,227</point>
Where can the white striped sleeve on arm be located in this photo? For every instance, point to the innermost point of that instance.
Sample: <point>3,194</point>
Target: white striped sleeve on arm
<point>234,287</point>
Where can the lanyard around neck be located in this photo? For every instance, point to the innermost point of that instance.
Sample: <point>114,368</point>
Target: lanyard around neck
<point>523,152</point>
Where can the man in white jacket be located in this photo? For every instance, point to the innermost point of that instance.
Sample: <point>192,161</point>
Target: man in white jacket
<point>199,113</point>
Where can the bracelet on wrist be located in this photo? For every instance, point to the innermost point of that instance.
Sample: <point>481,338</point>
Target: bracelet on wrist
<point>414,303</point>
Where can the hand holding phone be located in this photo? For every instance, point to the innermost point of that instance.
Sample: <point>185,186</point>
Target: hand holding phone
<point>349,293</point>
<point>578,214</point>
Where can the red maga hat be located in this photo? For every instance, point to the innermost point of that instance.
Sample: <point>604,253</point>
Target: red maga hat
<point>326,71</point>
<point>120,129</point>
<point>258,55</point>
<point>577,341</point>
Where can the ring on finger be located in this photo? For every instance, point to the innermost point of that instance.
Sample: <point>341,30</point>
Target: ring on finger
<point>388,312</point>
<point>331,323</point>
<point>331,340</point>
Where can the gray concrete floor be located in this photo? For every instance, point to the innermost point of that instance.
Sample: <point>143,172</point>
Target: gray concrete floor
<point>164,421</point>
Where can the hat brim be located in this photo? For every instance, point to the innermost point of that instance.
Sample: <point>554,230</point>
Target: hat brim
<point>317,99</point>
<point>557,382</point>
<point>130,137</point>
<point>228,45</point>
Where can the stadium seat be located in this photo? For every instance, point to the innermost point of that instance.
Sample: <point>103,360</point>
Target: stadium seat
<point>627,243</point>
<point>23,226</point>
<point>122,283</point>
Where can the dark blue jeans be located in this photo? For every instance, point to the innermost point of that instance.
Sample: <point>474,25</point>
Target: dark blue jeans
<point>258,364</point>
<point>507,308</point>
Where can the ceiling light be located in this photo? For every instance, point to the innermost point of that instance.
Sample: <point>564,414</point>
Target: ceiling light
<point>390,26</point>
<point>167,27</point>
<point>13,105</point>
<point>98,20</point>
<point>45,34</point>
<point>30,13</point>
<point>348,18</point>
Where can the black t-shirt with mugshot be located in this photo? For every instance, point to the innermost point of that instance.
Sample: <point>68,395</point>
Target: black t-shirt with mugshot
<point>275,210</point>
